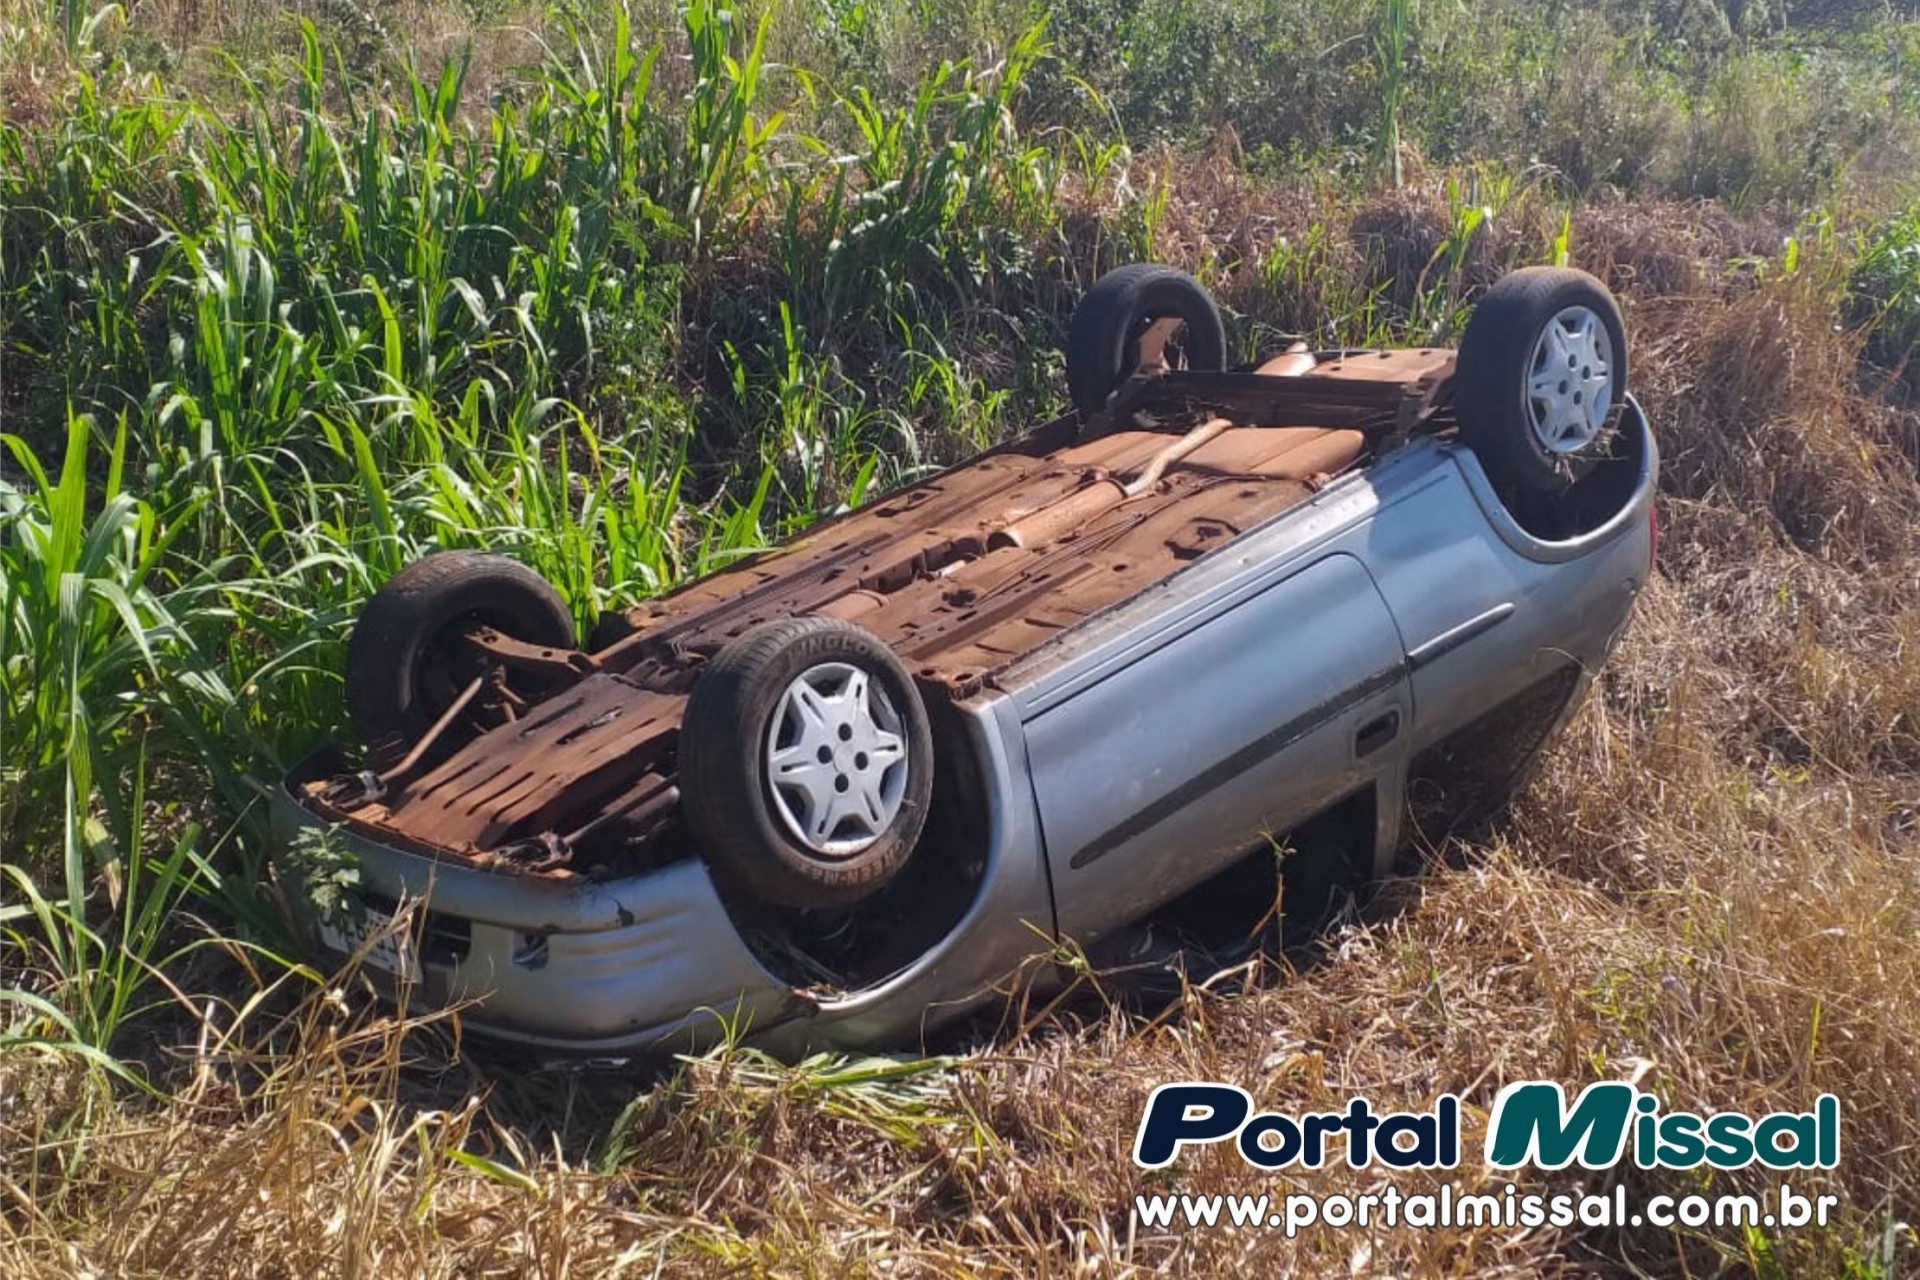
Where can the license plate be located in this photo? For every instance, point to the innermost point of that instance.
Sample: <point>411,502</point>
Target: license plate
<point>391,952</point>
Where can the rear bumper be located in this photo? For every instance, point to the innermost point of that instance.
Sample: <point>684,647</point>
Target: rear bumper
<point>651,961</point>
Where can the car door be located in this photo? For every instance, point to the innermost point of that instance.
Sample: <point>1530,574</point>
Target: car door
<point>1164,771</point>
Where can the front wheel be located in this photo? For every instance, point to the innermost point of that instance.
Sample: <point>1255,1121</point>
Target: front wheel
<point>1542,366</point>
<point>806,763</point>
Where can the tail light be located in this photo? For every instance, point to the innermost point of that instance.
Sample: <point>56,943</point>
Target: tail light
<point>1653,535</point>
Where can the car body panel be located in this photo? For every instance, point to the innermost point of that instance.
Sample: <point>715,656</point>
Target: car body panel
<point>610,944</point>
<point>1171,767</point>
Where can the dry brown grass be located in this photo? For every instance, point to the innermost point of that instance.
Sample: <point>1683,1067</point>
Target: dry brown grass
<point>33,75</point>
<point>1711,887</point>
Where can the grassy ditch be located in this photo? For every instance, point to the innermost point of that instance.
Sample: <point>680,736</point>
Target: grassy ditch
<point>291,297</point>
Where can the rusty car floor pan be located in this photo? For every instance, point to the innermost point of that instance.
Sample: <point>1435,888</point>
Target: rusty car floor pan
<point>960,575</point>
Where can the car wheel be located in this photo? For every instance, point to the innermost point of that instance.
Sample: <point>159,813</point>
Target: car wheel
<point>806,763</point>
<point>1103,342</point>
<point>405,661</point>
<point>1542,365</point>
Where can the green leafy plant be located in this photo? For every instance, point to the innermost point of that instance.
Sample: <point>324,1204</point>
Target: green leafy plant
<point>1885,290</point>
<point>101,966</point>
<point>327,873</point>
<point>1392,50</point>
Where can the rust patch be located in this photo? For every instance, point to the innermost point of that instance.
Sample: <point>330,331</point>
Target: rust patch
<point>961,575</point>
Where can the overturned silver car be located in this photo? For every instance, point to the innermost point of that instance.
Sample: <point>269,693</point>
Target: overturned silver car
<point>837,792</point>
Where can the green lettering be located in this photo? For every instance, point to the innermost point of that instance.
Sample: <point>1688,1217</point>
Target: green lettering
<point>1681,1147</point>
<point>1531,1125</point>
<point>1728,1145</point>
<point>1805,1132</point>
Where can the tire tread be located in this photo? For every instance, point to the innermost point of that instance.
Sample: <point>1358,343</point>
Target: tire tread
<point>1096,338</point>
<point>722,784</point>
<point>1492,369</point>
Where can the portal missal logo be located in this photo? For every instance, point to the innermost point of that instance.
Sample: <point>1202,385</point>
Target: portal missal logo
<point>1531,1125</point>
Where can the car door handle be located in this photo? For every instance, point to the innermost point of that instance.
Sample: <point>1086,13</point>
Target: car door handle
<point>1376,733</point>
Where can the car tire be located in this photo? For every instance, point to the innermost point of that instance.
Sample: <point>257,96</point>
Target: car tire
<point>1542,365</point>
<point>778,786</point>
<point>403,665</point>
<point>1102,341</point>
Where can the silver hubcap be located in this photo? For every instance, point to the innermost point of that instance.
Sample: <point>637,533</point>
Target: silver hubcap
<point>1570,386</point>
<point>836,759</point>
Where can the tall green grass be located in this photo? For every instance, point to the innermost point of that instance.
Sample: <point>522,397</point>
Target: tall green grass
<point>1392,49</point>
<point>629,315</point>
<point>280,351</point>
<point>1885,291</point>
<point>95,667</point>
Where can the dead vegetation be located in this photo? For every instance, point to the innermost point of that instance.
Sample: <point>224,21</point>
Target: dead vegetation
<point>1710,888</point>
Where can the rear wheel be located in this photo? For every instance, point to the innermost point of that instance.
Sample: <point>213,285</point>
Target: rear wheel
<point>806,763</point>
<point>1104,341</point>
<point>407,661</point>
<point>1542,366</point>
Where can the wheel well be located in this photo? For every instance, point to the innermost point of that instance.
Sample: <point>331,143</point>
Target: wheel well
<point>1590,501</point>
<point>859,945</point>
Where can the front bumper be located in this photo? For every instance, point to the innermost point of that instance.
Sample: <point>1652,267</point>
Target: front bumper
<point>651,961</point>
